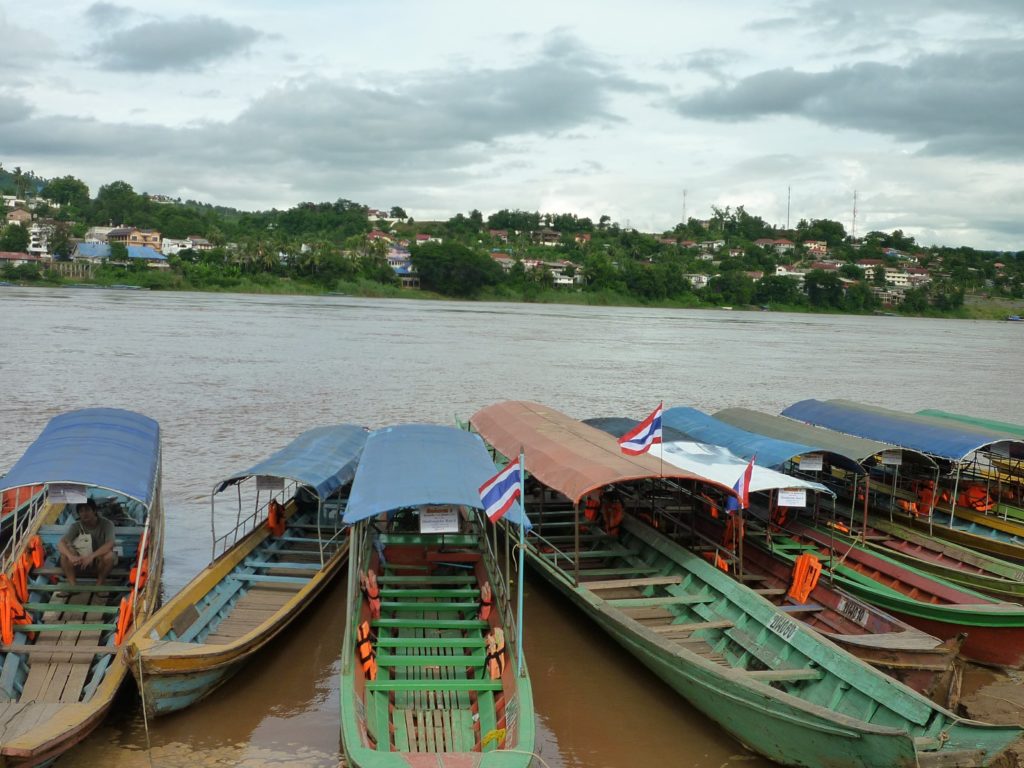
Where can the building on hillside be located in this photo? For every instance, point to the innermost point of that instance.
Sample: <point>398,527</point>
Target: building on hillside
<point>504,260</point>
<point>160,199</point>
<point>97,234</point>
<point>869,267</point>
<point>99,252</point>
<point>200,243</point>
<point>423,238</point>
<point>400,260</point>
<point>19,216</point>
<point>789,270</point>
<point>687,244</point>
<point>783,246</point>
<point>755,275</point>
<point>698,281</point>
<point>547,236</point>
<point>816,247</point>
<point>764,242</point>
<point>668,241</point>
<point>17,258</point>
<point>135,236</point>
<point>375,234</point>
<point>172,247</point>
<point>499,234</point>
<point>39,234</point>
<point>582,238</point>
<point>710,246</point>
<point>735,253</point>
<point>896,277</point>
<point>826,266</point>
<point>917,276</point>
<point>706,256</point>
<point>888,297</point>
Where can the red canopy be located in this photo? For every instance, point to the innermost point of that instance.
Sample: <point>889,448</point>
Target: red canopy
<point>567,455</point>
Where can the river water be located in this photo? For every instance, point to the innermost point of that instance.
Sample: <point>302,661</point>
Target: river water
<point>232,378</point>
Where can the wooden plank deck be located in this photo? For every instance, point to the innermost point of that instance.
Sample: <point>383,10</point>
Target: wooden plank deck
<point>252,609</point>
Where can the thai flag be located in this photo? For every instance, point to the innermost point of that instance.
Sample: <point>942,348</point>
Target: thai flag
<point>501,491</point>
<point>742,488</point>
<point>645,434</point>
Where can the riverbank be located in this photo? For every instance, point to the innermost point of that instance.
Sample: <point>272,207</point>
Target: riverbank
<point>975,307</point>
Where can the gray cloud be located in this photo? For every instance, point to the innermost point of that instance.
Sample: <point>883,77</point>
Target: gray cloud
<point>13,109</point>
<point>953,103</point>
<point>183,44</point>
<point>108,14</point>
<point>331,138</point>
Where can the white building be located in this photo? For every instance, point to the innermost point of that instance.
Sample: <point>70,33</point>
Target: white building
<point>97,234</point>
<point>39,238</point>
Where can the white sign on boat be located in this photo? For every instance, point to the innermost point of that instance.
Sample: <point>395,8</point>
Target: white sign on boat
<point>439,520</point>
<point>792,497</point>
<point>892,458</point>
<point>65,493</point>
<point>812,462</point>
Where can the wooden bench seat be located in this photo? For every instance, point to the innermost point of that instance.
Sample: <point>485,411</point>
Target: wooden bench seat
<point>482,684</point>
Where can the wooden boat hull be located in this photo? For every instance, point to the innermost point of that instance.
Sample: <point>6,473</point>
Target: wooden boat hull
<point>956,563</point>
<point>787,730</point>
<point>174,675</point>
<point>964,536</point>
<point>903,652</point>
<point>995,630</point>
<point>68,724</point>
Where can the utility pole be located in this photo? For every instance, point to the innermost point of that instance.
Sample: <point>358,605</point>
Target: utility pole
<point>684,207</point>
<point>853,228</point>
<point>789,200</point>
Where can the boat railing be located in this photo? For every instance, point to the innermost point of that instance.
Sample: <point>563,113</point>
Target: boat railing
<point>22,518</point>
<point>244,526</point>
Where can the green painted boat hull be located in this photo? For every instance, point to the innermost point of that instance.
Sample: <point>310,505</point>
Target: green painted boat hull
<point>770,721</point>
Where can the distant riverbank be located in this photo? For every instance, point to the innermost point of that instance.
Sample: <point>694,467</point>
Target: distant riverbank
<point>974,308</point>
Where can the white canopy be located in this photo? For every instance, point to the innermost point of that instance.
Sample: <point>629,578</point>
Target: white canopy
<point>724,467</point>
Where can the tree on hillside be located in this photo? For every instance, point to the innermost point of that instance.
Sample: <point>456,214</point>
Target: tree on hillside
<point>14,237</point>
<point>397,212</point>
<point>832,232</point>
<point>824,289</point>
<point>68,191</point>
<point>117,202</point>
<point>777,289</point>
<point>731,288</point>
<point>454,269</point>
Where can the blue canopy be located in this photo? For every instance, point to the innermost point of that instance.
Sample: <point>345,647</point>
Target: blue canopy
<point>904,429</point>
<point>410,465</point>
<point>104,448</point>
<point>324,459</point>
<point>707,429</point>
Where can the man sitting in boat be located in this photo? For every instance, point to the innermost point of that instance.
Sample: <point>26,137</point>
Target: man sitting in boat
<point>87,547</point>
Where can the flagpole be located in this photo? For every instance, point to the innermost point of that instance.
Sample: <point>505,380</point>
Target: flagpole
<point>522,560</point>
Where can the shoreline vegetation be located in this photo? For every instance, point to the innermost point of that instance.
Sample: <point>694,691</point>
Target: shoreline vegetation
<point>974,308</point>
<point>732,260</point>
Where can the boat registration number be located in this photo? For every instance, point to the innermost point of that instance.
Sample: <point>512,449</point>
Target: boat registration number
<point>782,626</point>
<point>850,610</point>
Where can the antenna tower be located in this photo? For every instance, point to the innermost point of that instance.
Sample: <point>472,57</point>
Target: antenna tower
<point>853,228</point>
<point>789,199</point>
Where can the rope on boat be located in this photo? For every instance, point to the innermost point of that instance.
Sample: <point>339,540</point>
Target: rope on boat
<point>534,755</point>
<point>145,717</point>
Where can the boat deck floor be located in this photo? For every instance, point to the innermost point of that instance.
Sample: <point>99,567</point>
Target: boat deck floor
<point>55,679</point>
<point>430,697</point>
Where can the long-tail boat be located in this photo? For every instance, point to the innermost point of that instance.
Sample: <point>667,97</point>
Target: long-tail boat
<point>60,659</point>
<point>432,668</point>
<point>958,564</point>
<point>995,630</point>
<point>266,570</point>
<point>777,686</point>
<point>913,657</point>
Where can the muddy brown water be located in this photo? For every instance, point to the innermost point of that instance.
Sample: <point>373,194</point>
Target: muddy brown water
<point>233,378</point>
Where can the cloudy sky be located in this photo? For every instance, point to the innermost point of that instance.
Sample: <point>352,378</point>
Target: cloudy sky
<point>594,107</point>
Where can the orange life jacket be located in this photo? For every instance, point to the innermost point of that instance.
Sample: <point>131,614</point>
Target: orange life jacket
<point>734,531</point>
<point>710,506</point>
<point>925,500</point>
<point>124,619</point>
<point>36,551</point>
<point>486,601</point>
<point>496,653</point>
<point>365,652</point>
<point>139,574</point>
<point>613,512</point>
<point>647,517</point>
<point>907,506</point>
<point>778,517</point>
<point>368,584</point>
<point>591,508</point>
<point>275,518</point>
<point>12,499</point>
<point>975,497</point>
<point>12,612</point>
<point>716,560</point>
<point>806,570</point>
